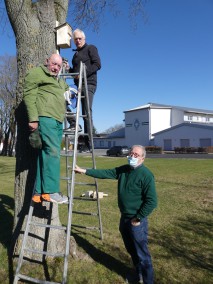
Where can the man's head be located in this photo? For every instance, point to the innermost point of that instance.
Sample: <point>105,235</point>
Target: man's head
<point>54,64</point>
<point>137,155</point>
<point>79,38</point>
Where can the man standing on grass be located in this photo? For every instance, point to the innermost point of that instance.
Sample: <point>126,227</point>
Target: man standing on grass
<point>136,200</point>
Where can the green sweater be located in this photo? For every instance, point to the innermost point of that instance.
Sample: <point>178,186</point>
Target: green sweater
<point>136,189</point>
<point>44,95</point>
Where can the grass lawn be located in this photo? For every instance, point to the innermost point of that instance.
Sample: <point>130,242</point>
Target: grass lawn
<point>180,229</point>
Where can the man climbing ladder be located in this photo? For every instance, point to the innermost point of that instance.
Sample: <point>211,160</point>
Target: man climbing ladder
<point>70,179</point>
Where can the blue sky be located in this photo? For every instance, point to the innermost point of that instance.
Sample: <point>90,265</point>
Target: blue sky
<point>167,60</point>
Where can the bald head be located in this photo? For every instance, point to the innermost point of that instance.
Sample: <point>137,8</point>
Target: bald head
<point>54,64</point>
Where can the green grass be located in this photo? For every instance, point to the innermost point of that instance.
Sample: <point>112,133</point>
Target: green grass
<point>180,229</point>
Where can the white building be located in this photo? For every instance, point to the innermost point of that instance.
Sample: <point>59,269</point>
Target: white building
<point>165,126</point>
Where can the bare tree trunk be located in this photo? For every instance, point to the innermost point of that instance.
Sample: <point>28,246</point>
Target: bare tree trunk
<point>33,25</point>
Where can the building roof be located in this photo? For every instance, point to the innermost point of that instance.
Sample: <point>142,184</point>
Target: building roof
<point>188,124</point>
<point>120,133</point>
<point>155,105</point>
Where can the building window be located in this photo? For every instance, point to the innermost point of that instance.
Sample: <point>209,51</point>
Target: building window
<point>184,143</point>
<point>101,143</point>
<point>205,142</point>
<point>167,144</point>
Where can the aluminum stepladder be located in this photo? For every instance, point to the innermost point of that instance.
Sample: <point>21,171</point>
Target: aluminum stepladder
<point>70,178</point>
<point>70,173</point>
<point>24,248</point>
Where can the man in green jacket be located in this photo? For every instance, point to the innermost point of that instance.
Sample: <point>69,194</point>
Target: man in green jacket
<point>45,104</point>
<point>136,200</point>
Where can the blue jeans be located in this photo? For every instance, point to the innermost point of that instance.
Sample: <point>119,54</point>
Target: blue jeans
<point>48,165</point>
<point>136,242</point>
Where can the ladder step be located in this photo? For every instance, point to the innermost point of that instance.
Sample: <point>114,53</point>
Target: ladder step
<point>85,198</point>
<point>48,226</point>
<point>86,227</point>
<point>79,183</point>
<point>69,74</point>
<point>67,155</point>
<point>70,114</point>
<point>44,252</point>
<point>84,183</point>
<point>85,213</point>
<point>34,280</point>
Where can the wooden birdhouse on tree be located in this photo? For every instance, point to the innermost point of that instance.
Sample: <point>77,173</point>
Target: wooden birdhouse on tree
<point>63,35</point>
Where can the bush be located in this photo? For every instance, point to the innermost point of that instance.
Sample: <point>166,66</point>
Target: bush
<point>189,150</point>
<point>209,149</point>
<point>153,149</point>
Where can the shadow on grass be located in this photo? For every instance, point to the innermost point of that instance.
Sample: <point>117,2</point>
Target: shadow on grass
<point>6,225</point>
<point>188,240</point>
<point>102,257</point>
<point>6,220</point>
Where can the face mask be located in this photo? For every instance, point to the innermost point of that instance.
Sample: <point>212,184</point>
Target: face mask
<point>132,161</point>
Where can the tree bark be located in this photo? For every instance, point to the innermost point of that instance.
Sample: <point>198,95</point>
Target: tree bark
<point>33,25</point>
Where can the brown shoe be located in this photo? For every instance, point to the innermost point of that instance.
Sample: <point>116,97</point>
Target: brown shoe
<point>45,197</point>
<point>36,198</point>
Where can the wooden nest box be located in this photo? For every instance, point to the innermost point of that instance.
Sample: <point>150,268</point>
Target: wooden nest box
<point>63,35</point>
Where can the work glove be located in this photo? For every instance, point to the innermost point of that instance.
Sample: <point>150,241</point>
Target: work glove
<point>35,139</point>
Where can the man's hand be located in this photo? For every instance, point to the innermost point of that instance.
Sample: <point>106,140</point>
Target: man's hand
<point>33,125</point>
<point>79,170</point>
<point>135,222</point>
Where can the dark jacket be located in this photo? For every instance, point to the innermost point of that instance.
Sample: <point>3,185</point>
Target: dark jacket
<point>88,54</point>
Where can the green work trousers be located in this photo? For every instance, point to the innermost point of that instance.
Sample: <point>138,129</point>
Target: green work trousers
<point>48,165</point>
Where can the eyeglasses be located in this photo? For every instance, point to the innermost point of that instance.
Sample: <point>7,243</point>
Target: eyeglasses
<point>78,38</point>
<point>135,155</point>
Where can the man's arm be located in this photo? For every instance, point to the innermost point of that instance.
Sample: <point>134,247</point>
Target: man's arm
<point>30,96</point>
<point>149,198</point>
<point>102,174</point>
<point>94,59</point>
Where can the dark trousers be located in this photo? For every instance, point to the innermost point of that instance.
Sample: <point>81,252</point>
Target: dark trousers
<point>136,242</point>
<point>91,93</point>
<point>72,120</point>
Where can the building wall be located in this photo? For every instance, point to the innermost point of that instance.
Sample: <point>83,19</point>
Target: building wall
<point>184,136</point>
<point>137,127</point>
<point>141,124</point>
<point>160,119</point>
<point>177,116</point>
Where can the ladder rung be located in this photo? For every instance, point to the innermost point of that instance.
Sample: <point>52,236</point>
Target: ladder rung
<point>67,155</point>
<point>85,213</point>
<point>67,132</point>
<point>85,198</point>
<point>34,280</point>
<point>48,226</point>
<point>84,183</point>
<point>70,114</point>
<point>86,227</point>
<point>66,178</point>
<point>68,74</point>
<point>44,252</point>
